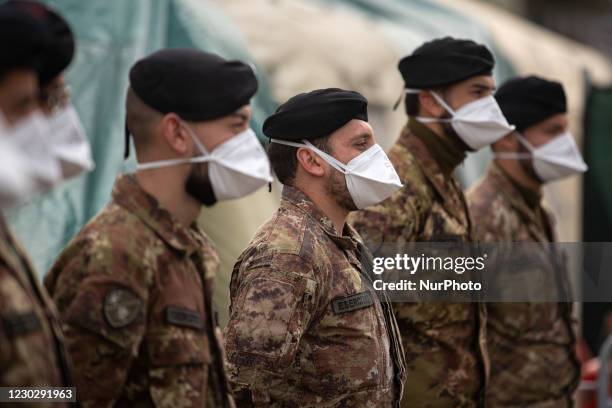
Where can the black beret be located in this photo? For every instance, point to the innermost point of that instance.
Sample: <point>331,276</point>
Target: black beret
<point>23,39</point>
<point>444,61</point>
<point>195,85</point>
<point>526,101</point>
<point>60,45</point>
<point>315,114</point>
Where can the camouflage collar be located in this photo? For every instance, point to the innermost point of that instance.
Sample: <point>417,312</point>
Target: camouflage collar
<point>516,199</point>
<point>443,185</point>
<point>293,197</point>
<point>128,194</point>
<point>12,254</point>
<point>448,152</point>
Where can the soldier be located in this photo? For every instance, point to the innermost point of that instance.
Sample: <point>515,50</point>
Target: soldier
<point>134,287</point>
<point>65,135</point>
<point>32,352</point>
<point>451,109</point>
<point>306,328</point>
<point>530,345</point>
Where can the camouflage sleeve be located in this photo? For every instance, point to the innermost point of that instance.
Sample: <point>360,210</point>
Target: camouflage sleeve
<point>104,320</point>
<point>22,339</point>
<point>272,306</point>
<point>391,221</point>
<point>12,372</point>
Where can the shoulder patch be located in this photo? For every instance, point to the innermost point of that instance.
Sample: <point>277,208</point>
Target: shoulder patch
<point>121,307</point>
<point>352,302</point>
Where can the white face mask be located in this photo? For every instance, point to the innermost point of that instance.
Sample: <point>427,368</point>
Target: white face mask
<point>370,177</point>
<point>69,143</point>
<point>31,137</point>
<point>553,160</point>
<point>478,123</point>
<point>236,167</point>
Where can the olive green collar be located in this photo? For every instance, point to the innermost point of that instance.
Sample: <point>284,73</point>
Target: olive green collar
<point>446,151</point>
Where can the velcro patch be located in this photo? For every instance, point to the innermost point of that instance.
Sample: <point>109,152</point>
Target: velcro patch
<point>121,307</point>
<point>19,324</point>
<point>180,316</point>
<point>353,302</point>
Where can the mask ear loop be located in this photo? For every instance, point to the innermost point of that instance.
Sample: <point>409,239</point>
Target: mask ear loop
<point>424,119</point>
<point>203,158</point>
<point>443,103</point>
<point>195,139</point>
<point>516,155</point>
<point>335,163</point>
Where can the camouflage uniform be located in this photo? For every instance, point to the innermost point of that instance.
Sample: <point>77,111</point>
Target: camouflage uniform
<point>530,345</point>
<point>134,290</point>
<point>444,363</point>
<point>32,352</point>
<point>306,328</point>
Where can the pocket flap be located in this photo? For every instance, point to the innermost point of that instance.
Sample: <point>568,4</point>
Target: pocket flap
<point>175,346</point>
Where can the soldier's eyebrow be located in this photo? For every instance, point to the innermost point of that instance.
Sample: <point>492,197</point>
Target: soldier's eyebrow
<point>556,128</point>
<point>238,118</point>
<point>364,136</point>
<point>483,87</point>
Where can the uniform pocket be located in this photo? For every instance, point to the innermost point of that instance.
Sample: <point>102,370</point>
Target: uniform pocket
<point>179,365</point>
<point>352,327</point>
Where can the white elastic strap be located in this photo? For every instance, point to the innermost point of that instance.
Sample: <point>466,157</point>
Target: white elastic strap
<point>335,163</point>
<point>423,119</point>
<point>512,155</point>
<point>204,155</point>
<point>523,141</point>
<point>443,103</point>
<point>515,155</point>
<point>171,162</point>
<point>435,95</point>
<point>412,90</point>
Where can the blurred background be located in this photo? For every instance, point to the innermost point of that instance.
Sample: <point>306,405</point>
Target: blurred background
<point>299,45</point>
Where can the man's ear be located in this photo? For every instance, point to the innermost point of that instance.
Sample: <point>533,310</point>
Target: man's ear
<point>175,135</point>
<point>508,143</point>
<point>429,106</point>
<point>310,162</point>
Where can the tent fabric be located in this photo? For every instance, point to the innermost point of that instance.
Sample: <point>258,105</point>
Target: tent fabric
<point>384,31</point>
<point>295,45</point>
<point>353,44</point>
<point>111,36</point>
<point>535,50</point>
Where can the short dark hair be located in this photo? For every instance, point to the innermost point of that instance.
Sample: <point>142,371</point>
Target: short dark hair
<point>140,119</point>
<point>284,160</point>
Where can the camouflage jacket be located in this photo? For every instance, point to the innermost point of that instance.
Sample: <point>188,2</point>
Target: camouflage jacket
<point>530,345</point>
<point>306,328</point>
<point>441,339</point>
<point>32,352</point>
<point>134,291</point>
